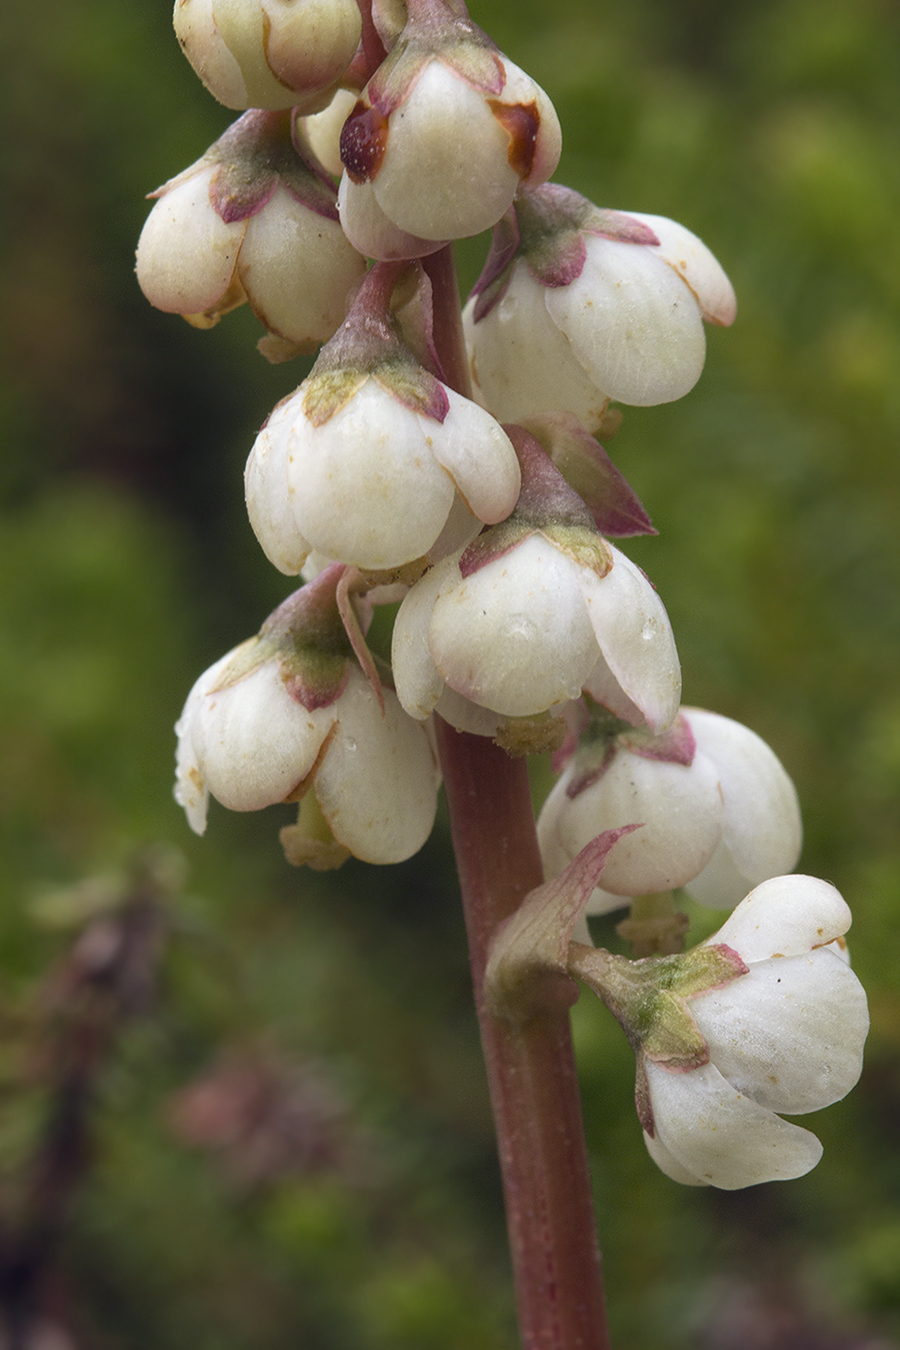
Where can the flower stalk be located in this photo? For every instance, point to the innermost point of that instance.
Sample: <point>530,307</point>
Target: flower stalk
<point>530,1066</point>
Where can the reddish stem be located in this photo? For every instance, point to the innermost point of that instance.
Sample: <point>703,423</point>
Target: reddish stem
<point>531,1068</point>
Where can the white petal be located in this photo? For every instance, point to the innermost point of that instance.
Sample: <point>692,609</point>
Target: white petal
<point>465,715</point>
<point>254,743</point>
<point>722,1137</point>
<point>515,636</point>
<point>369,229</point>
<point>636,642</point>
<point>720,885</point>
<point>416,679</point>
<point>522,364</point>
<point>632,322</point>
<point>186,254</point>
<point>678,807</point>
<point>323,130</point>
<point>786,916</point>
<point>521,88</point>
<point>298,269</point>
<point>694,263</point>
<point>446,172</point>
<point>460,528</point>
<point>365,486</point>
<point>762,828</point>
<point>790,1032</point>
<point>191,791</point>
<point>479,456</point>
<point>205,48</point>
<point>377,786</point>
<point>666,1163</point>
<point>267,494</point>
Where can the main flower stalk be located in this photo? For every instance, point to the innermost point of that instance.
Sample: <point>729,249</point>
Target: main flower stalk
<point>530,1066</point>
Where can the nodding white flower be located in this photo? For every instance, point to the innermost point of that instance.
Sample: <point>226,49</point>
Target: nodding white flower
<point>291,713</point>
<point>764,1017</point>
<point>530,613</point>
<point>271,54</point>
<point>365,461</point>
<point>578,305</point>
<point>251,221</point>
<point>718,812</point>
<point>445,132</point>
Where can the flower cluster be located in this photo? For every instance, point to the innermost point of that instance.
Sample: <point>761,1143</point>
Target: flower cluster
<point>448,460</point>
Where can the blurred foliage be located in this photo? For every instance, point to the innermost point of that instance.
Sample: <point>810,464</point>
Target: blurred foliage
<point>294,1147</point>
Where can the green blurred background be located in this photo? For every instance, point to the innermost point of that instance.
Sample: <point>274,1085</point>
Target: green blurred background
<point>294,1147</point>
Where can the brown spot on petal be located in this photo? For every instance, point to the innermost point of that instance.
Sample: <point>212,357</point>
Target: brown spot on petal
<point>521,122</point>
<point>363,142</point>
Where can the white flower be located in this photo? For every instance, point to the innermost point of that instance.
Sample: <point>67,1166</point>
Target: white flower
<point>291,712</point>
<point>528,630</point>
<point>269,53</point>
<point>718,813</point>
<point>251,221</point>
<point>605,306</point>
<point>787,1036</point>
<point>367,461</point>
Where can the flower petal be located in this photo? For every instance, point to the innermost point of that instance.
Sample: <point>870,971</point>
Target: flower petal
<point>790,1032</point>
<point>761,828</point>
<point>445,172</point>
<point>522,364</point>
<point>721,1137</point>
<point>369,229</point>
<point>678,807</point>
<point>479,457</point>
<point>298,269</point>
<point>633,324</point>
<point>366,486</point>
<point>254,744</point>
<point>377,785</point>
<point>695,264</point>
<point>786,916</point>
<point>267,495</point>
<point>515,635</point>
<point>636,642</point>
<point>416,679</point>
<point>186,254</point>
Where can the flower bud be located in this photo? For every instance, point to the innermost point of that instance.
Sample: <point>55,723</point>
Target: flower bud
<point>251,220</point>
<point>718,812</point>
<point>446,131</point>
<point>577,306</point>
<point>271,54</point>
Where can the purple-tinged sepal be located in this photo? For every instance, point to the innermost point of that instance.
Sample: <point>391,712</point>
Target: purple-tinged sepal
<point>527,967</point>
<point>615,506</point>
